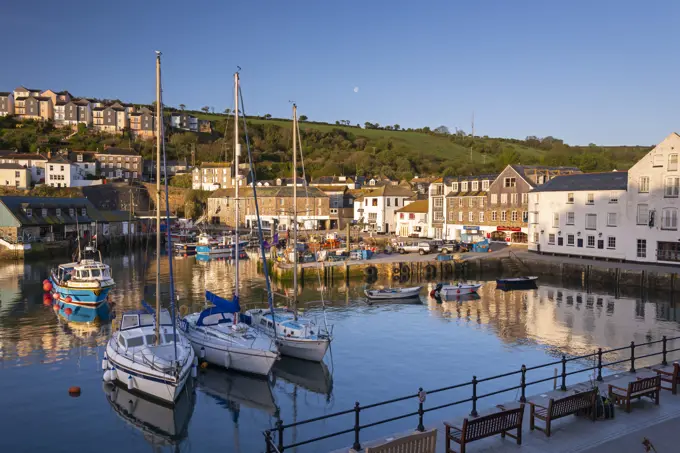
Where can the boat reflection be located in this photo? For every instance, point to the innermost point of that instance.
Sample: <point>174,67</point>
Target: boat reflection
<point>461,297</point>
<point>161,425</point>
<point>312,376</point>
<point>232,389</point>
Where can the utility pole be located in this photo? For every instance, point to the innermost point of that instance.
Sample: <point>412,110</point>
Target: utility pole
<point>473,134</point>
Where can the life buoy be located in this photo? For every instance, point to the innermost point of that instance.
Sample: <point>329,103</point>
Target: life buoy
<point>457,291</point>
<point>396,270</point>
<point>371,270</point>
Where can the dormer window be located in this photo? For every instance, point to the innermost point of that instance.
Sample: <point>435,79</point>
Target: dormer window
<point>29,212</point>
<point>464,186</point>
<point>80,157</point>
<point>71,212</point>
<point>44,212</point>
<point>475,186</point>
<point>83,212</point>
<point>58,212</point>
<point>454,187</point>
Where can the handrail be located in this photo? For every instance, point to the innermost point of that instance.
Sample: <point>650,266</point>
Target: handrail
<point>274,438</point>
<point>510,252</point>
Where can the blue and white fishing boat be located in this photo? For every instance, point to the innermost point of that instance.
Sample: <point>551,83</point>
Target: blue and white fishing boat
<point>223,247</point>
<point>147,353</point>
<point>80,289</point>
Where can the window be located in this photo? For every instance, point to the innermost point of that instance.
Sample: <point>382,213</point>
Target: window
<point>504,216</point>
<point>475,185</point>
<point>642,248</point>
<point>570,197</point>
<point>44,212</point>
<point>525,216</point>
<point>590,199</point>
<point>411,215</point>
<point>485,184</point>
<point>51,167</point>
<point>657,160</point>
<point>454,187</point>
<point>643,214</point>
<point>494,198</point>
<point>134,174</point>
<point>460,216</point>
<point>58,212</point>
<point>71,212</point>
<point>590,242</point>
<point>504,198</point>
<point>396,201</point>
<point>673,162</point>
<point>513,216</point>
<point>535,237</point>
<point>481,202</point>
<point>481,217</point>
<point>611,242</point>
<point>471,202</point>
<point>672,187</point>
<point>570,239</point>
<point>556,220</point>
<point>611,219</point>
<point>570,218</point>
<point>17,174</point>
<point>613,197</point>
<point>460,202</point>
<point>669,219</point>
<point>513,198</point>
<point>29,212</point>
<point>374,202</point>
<point>438,202</point>
<point>471,216</point>
<point>464,186</point>
<point>525,198</point>
<point>509,182</point>
<point>80,157</point>
<point>401,215</point>
<point>372,217</point>
<point>438,216</point>
<point>494,216</point>
<point>62,168</point>
<point>551,239</point>
<point>387,200</point>
<point>643,184</point>
<point>83,212</point>
<point>591,221</point>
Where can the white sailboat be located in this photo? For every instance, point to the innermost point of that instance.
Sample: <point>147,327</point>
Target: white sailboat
<point>217,333</point>
<point>295,335</point>
<point>146,354</point>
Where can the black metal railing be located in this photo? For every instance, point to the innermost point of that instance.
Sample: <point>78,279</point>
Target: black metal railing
<point>274,438</point>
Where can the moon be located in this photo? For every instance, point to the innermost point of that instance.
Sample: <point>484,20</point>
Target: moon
<point>356,89</point>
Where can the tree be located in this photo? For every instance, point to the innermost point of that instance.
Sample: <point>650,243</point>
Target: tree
<point>397,127</point>
<point>303,118</point>
<point>268,116</point>
<point>227,111</point>
<point>443,130</point>
<point>183,181</point>
<point>205,109</point>
<point>182,107</point>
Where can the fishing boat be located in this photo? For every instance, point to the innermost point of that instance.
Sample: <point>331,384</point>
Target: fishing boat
<point>146,353</point>
<point>516,283</point>
<point>217,333</point>
<point>222,247</point>
<point>393,293</point>
<point>219,336</point>
<point>80,289</point>
<point>160,424</point>
<point>459,289</point>
<point>295,335</point>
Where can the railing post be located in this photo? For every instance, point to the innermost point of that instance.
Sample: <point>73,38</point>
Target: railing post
<point>421,400</point>
<point>564,374</point>
<point>357,427</point>
<point>268,439</point>
<point>279,428</point>
<point>523,384</point>
<point>474,397</point>
<point>632,357</point>
<point>599,364</point>
<point>665,351</point>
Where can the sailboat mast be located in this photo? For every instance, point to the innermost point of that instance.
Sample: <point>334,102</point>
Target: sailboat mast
<point>237,153</point>
<point>295,224</point>
<point>158,195</point>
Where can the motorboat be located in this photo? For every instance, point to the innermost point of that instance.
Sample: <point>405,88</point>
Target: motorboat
<point>219,248</point>
<point>296,336</point>
<point>161,425</point>
<point>219,336</point>
<point>147,353</point>
<point>393,293</point>
<point>135,359</point>
<point>516,283</point>
<point>79,289</point>
<point>459,289</point>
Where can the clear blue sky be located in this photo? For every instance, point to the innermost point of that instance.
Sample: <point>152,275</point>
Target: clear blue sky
<point>586,71</point>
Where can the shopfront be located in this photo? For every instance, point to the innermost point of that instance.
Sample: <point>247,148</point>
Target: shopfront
<point>509,234</point>
<point>471,234</point>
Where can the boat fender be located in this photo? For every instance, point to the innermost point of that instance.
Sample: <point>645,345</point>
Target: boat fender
<point>114,374</point>
<point>130,383</point>
<point>458,291</point>
<point>433,293</point>
<point>194,371</point>
<point>74,391</point>
<point>202,352</point>
<point>107,376</point>
<point>195,361</point>
<point>105,364</point>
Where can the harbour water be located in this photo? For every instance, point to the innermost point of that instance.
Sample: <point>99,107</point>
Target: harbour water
<point>380,351</point>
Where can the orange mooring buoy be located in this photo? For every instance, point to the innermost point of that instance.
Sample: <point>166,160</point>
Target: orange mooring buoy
<point>74,391</point>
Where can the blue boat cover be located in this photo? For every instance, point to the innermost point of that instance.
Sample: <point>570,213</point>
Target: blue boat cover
<point>149,309</point>
<point>221,305</point>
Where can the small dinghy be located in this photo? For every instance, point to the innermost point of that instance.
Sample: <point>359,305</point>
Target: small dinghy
<point>518,282</point>
<point>393,293</point>
<point>448,291</point>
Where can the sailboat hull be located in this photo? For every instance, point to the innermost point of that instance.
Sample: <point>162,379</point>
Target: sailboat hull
<point>220,353</point>
<point>313,350</point>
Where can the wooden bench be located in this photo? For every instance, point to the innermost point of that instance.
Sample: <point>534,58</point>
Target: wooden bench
<point>425,442</point>
<point>486,426</point>
<point>650,387</point>
<point>672,377</point>
<point>569,405</point>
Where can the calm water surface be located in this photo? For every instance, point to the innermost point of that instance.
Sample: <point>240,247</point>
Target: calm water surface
<point>379,352</point>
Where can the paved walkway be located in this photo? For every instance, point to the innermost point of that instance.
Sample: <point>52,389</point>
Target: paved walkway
<point>622,434</point>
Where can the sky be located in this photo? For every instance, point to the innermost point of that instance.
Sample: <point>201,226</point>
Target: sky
<point>600,72</point>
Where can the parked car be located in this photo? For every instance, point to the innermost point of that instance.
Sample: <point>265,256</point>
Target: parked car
<point>449,247</point>
<point>436,244</point>
<point>420,247</point>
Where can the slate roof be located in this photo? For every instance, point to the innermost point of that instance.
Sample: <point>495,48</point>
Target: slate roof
<point>271,191</point>
<point>469,193</point>
<point>88,156</point>
<point>12,167</point>
<point>420,206</point>
<point>10,154</point>
<point>17,205</point>
<point>58,160</point>
<point>4,93</point>
<point>525,171</point>
<point>333,180</point>
<point>119,152</point>
<point>615,180</point>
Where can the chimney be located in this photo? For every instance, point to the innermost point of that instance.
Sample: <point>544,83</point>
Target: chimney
<point>49,153</point>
